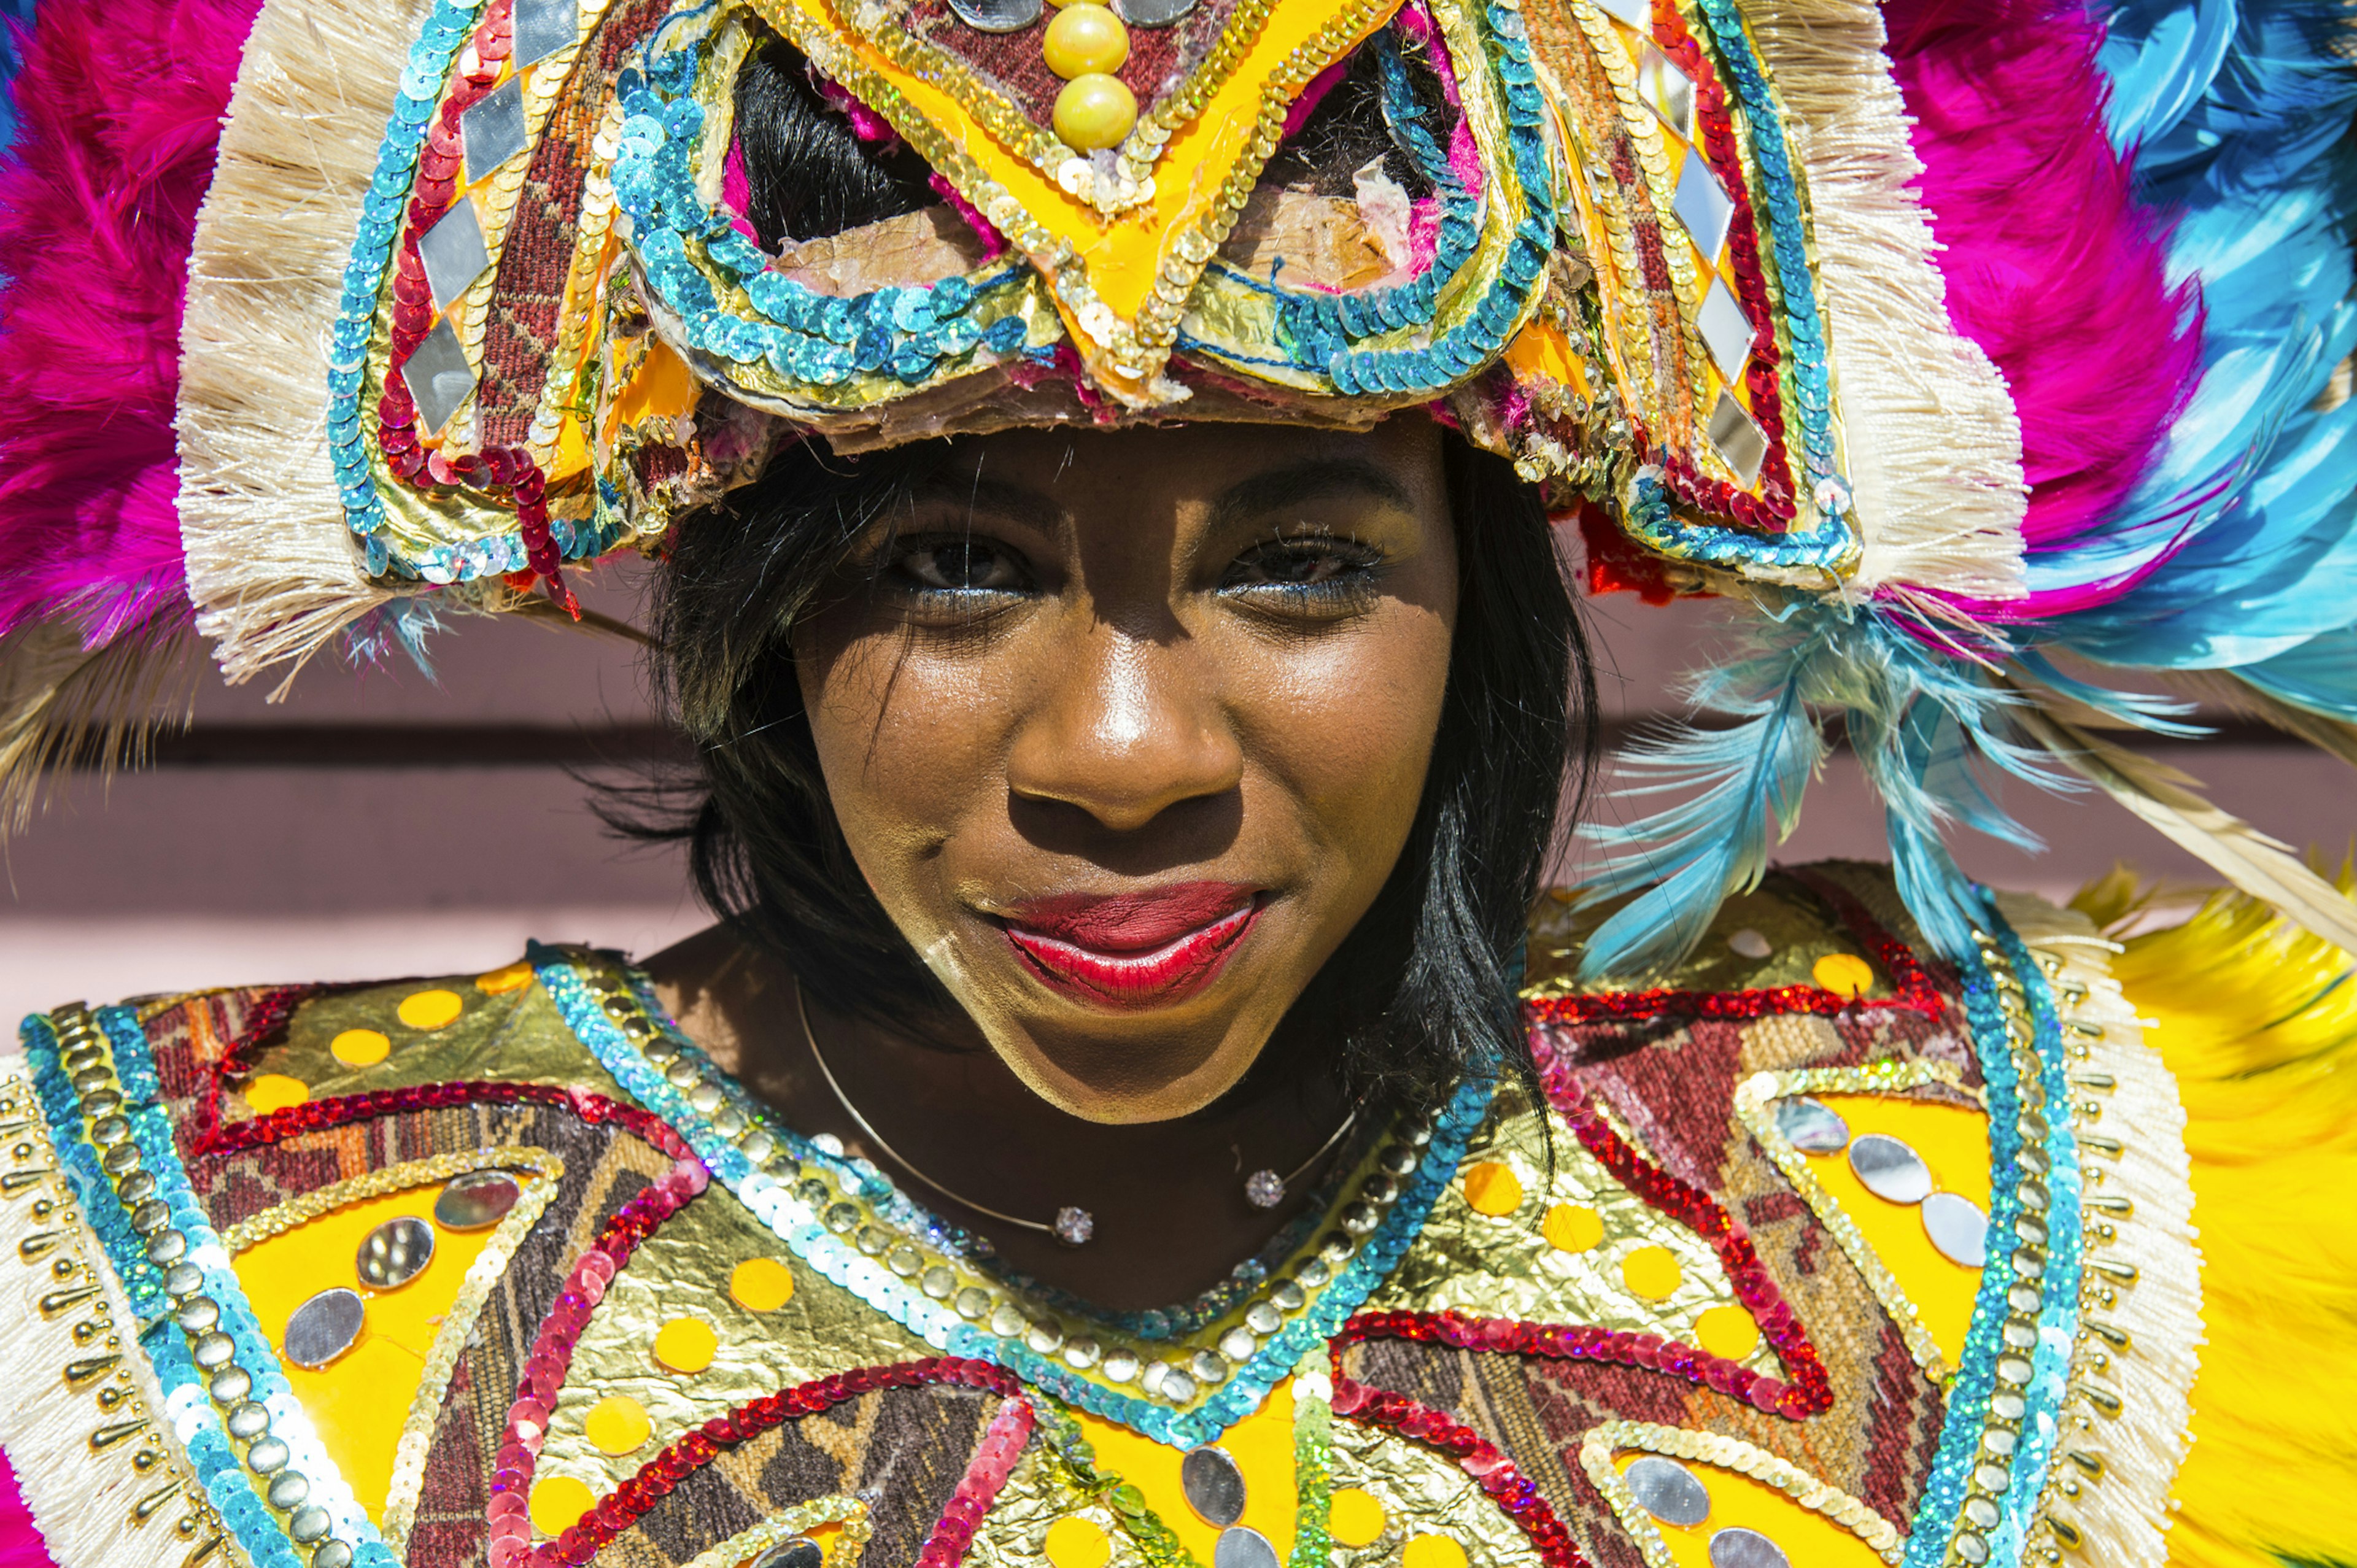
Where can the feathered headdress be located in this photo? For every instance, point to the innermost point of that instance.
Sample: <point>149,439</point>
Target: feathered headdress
<point>1995,354</point>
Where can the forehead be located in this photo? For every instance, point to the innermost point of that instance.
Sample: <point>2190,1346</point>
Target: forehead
<point>1164,466</point>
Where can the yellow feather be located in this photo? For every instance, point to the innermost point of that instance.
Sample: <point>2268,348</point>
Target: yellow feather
<point>2257,1019</point>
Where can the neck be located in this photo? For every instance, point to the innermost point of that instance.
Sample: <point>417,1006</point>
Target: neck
<point>1167,1198</point>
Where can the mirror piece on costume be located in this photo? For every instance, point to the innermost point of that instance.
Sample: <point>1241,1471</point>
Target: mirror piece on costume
<point>325,1327</point>
<point>543,27</point>
<point>475,1201</point>
<point>396,1252</point>
<point>1957,1227</point>
<point>452,252</point>
<point>1214,1485</point>
<point>1811,1126</point>
<point>1668,1490</point>
<point>1740,1547</point>
<point>1889,1169</point>
<point>495,128</point>
<point>997,16</point>
<point>438,377</point>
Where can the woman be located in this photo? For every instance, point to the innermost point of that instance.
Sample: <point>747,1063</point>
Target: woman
<point>1136,1105</point>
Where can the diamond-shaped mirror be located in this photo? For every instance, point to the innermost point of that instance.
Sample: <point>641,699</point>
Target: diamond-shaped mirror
<point>1700,203</point>
<point>543,27</point>
<point>438,378</point>
<point>1726,331</point>
<point>1669,90</point>
<point>494,128</point>
<point>1739,441</point>
<point>454,252</point>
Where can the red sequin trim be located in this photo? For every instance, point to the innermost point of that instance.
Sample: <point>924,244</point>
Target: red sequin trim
<point>1583,1343</point>
<point>628,1503</point>
<point>264,1020</point>
<point>341,1110</point>
<point>1494,1473</point>
<point>1917,989</point>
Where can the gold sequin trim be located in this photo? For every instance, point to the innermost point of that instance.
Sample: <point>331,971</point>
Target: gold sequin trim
<point>1754,1107</point>
<point>1727,1453</point>
<point>799,1520</point>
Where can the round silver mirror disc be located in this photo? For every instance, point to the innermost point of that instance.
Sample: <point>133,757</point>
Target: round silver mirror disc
<point>1152,13</point>
<point>1668,1490</point>
<point>1741,1548</point>
<point>1240,1548</point>
<point>1958,1228</point>
<point>475,1201</point>
<point>1812,1126</point>
<point>325,1327</point>
<point>800,1552</point>
<point>1214,1485</point>
<point>1889,1168</point>
<point>396,1252</point>
<point>997,16</point>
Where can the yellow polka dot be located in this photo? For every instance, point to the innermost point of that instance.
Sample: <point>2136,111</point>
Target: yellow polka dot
<point>360,1048</point>
<point>1432,1551</point>
<point>1075,1542</point>
<point>761,1285</point>
<point>514,977</point>
<point>618,1424</point>
<point>1728,1332</point>
<point>275,1091</point>
<point>1843,975</point>
<point>1571,1227</point>
<point>1492,1188</point>
<point>687,1344</point>
<point>429,1009</point>
<point>1356,1520</point>
<point>557,1504</point>
<point>1651,1272</point>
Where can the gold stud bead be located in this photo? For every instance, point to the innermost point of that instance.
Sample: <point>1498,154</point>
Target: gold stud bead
<point>1095,111</point>
<point>1086,38</point>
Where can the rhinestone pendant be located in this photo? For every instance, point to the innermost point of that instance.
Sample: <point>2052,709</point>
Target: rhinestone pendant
<point>1074,1227</point>
<point>1264,1189</point>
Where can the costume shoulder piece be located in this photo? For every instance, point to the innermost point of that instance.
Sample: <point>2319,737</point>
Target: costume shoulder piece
<point>1816,1252</point>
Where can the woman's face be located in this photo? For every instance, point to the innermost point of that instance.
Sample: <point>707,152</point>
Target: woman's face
<point>1131,730</point>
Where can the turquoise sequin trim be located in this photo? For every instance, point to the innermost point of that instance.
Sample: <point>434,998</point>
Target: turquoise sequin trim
<point>794,1220</point>
<point>1651,521</point>
<point>194,1418</point>
<point>1976,1385</point>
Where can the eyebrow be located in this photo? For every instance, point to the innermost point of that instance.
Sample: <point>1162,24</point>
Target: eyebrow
<point>1016,503</point>
<point>1280,490</point>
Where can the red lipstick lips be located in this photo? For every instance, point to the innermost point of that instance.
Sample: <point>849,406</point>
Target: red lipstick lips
<point>1134,949</point>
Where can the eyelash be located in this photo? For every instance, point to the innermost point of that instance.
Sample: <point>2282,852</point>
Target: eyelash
<point>1354,565</point>
<point>1351,578</point>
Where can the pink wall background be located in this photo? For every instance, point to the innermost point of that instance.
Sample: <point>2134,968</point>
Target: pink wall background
<point>198,874</point>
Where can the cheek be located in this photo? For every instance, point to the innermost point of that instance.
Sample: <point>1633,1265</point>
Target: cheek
<point>1348,727</point>
<point>909,747</point>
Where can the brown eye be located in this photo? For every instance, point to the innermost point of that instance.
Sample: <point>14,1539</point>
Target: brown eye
<point>1323,566</point>
<point>963,566</point>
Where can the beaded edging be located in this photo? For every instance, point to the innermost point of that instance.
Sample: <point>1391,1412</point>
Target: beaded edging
<point>1598,1448</point>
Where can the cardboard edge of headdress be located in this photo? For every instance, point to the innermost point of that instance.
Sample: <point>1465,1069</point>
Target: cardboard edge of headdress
<point>1903,543</point>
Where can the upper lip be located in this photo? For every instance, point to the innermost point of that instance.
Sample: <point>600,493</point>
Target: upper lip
<point>1130,922</point>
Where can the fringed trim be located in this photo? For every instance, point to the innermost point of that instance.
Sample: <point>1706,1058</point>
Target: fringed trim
<point>272,567</point>
<point>1933,441</point>
<point>2125,1420</point>
<point>84,1424</point>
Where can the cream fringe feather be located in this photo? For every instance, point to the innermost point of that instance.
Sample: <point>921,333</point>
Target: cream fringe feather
<point>271,568</point>
<point>62,703</point>
<point>81,1500</point>
<point>2124,1515</point>
<point>1933,443</point>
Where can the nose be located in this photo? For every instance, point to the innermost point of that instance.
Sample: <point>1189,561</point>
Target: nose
<point>1133,730</point>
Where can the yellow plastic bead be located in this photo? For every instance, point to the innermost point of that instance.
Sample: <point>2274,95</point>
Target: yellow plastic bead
<point>360,1048</point>
<point>1357,1519</point>
<point>499,981</point>
<point>1728,1332</point>
<point>1095,111</point>
<point>1433,1552</point>
<point>557,1504</point>
<point>1651,1273</point>
<point>618,1424</point>
<point>1077,1543</point>
<point>1492,1188</point>
<point>1085,38</point>
<point>686,1345</point>
<point>1572,1228</point>
<point>275,1091</point>
<point>429,1009</point>
<point>1843,975</point>
<point>761,1285</point>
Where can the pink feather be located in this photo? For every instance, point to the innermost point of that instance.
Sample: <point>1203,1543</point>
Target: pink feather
<point>120,104</point>
<point>2053,267</point>
<point>21,1545</point>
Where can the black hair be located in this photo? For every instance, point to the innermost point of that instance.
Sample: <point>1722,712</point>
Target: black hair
<point>1422,988</point>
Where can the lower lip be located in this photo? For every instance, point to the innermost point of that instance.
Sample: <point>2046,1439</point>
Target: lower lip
<point>1155,978</point>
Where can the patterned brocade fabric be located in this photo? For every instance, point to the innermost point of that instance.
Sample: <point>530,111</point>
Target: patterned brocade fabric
<point>1815,1255</point>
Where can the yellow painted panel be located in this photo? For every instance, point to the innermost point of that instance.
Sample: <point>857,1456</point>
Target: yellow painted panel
<point>1262,1446</point>
<point>1954,1142</point>
<point>1810,1540</point>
